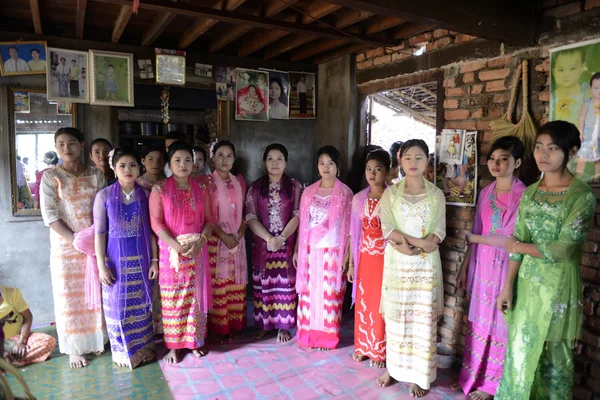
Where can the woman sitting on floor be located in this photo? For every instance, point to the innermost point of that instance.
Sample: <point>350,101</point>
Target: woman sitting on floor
<point>21,347</point>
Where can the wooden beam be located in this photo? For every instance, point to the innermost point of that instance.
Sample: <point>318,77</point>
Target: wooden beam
<point>203,25</point>
<point>315,10</point>
<point>340,52</point>
<point>121,23</point>
<point>272,9</point>
<point>416,101</point>
<point>351,17</point>
<point>429,92</point>
<point>416,115</point>
<point>80,18</point>
<point>35,16</point>
<point>157,27</point>
<point>287,44</point>
<point>379,24</point>
<point>190,10</point>
<point>409,29</point>
<point>494,20</point>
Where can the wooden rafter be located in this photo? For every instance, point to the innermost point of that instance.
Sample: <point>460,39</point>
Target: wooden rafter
<point>35,16</point>
<point>316,11</point>
<point>416,115</point>
<point>409,29</point>
<point>272,9</point>
<point>416,101</point>
<point>121,23</point>
<point>340,52</point>
<point>486,19</point>
<point>203,24</point>
<point>372,27</point>
<point>157,27</point>
<point>428,91</point>
<point>80,18</point>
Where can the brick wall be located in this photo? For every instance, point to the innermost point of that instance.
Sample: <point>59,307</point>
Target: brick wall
<point>476,93</point>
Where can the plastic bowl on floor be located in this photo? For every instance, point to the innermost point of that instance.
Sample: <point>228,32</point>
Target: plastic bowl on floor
<point>446,354</point>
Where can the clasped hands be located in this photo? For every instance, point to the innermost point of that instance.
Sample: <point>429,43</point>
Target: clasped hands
<point>405,246</point>
<point>190,250</point>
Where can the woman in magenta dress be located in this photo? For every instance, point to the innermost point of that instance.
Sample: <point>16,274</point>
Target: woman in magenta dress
<point>180,215</point>
<point>227,247</point>
<point>487,265</point>
<point>320,253</point>
<point>272,213</point>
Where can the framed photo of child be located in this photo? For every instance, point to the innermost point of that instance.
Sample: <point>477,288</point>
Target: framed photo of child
<point>67,75</point>
<point>112,78</point>
<point>23,58</point>
<point>251,95</point>
<point>458,181</point>
<point>451,146</point>
<point>303,99</point>
<point>575,97</point>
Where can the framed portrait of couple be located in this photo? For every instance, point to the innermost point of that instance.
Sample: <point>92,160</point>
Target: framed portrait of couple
<point>23,58</point>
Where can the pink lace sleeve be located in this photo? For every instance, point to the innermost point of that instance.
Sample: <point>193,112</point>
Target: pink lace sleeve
<point>208,211</point>
<point>251,208</point>
<point>157,218</point>
<point>100,216</point>
<point>297,196</point>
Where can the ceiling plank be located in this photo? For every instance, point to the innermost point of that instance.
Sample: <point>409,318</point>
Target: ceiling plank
<point>486,19</point>
<point>351,17</point>
<point>203,24</point>
<point>340,52</point>
<point>80,18</point>
<point>414,100</point>
<point>409,29</point>
<point>428,91</point>
<point>315,10</point>
<point>272,9</point>
<point>416,115</point>
<point>233,17</point>
<point>288,44</point>
<point>121,23</point>
<point>157,27</point>
<point>376,26</point>
<point>35,15</point>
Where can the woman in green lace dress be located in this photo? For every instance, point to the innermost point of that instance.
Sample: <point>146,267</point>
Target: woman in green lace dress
<point>542,294</point>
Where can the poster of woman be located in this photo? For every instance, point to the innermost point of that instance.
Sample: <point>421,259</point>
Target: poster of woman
<point>279,95</point>
<point>251,95</point>
<point>458,181</point>
<point>302,95</point>
<point>575,97</point>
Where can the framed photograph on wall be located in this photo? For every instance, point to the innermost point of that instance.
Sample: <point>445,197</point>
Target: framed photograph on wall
<point>458,181</point>
<point>67,77</point>
<point>575,97</point>
<point>170,67</point>
<point>64,108</point>
<point>251,95</point>
<point>112,78</point>
<point>303,95</point>
<point>21,102</point>
<point>23,58</point>
<point>279,94</point>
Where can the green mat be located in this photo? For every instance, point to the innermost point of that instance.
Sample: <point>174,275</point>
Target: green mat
<point>101,379</point>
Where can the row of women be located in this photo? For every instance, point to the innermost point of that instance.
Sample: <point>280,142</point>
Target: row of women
<point>522,261</point>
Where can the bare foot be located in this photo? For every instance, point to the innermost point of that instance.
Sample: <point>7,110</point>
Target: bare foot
<point>200,352</point>
<point>377,364</point>
<point>76,361</point>
<point>283,336</point>
<point>480,395</point>
<point>455,386</point>
<point>261,334</point>
<point>122,365</point>
<point>98,353</point>
<point>149,358</point>
<point>358,357</point>
<point>416,391</point>
<point>323,349</point>
<point>385,379</point>
<point>171,357</point>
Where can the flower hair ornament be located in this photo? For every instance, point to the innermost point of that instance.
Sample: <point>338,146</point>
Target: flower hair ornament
<point>110,157</point>
<point>211,151</point>
<point>194,156</point>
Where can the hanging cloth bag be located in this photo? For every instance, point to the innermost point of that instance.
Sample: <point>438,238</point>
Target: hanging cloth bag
<point>525,129</point>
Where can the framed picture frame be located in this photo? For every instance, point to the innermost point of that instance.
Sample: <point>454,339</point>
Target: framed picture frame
<point>303,95</point>
<point>170,67</point>
<point>67,77</point>
<point>279,94</point>
<point>23,58</point>
<point>112,78</point>
<point>458,181</point>
<point>21,102</point>
<point>252,95</point>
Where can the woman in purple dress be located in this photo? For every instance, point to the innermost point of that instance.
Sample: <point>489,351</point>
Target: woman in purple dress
<point>272,206</point>
<point>127,262</point>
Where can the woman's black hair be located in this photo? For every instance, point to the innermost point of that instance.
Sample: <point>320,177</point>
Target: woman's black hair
<point>420,143</point>
<point>332,152</point>
<point>121,152</point>
<point>283,96</point>
<point>176,135</point>
<point>74,132</point>
<point>564,134</point>
<point>50,158</point>
<point>382,156</point>
<point>100,140</point>
<point>34,49</point>
<point>201,149</point>
<point>512,144</point>
<point>222,143</point>
<point>394,152</point>
<point>594,77</point>
<point>151,148</point>
<point>176,146</point>
<point>275,146</point>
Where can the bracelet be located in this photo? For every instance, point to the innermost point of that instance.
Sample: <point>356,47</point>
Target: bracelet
<point>515,246</point>
<point>282,237</point>
<point>154,259</point>
<point>203,236</point>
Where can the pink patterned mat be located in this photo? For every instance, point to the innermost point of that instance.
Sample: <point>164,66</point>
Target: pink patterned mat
<point>249,369</point>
